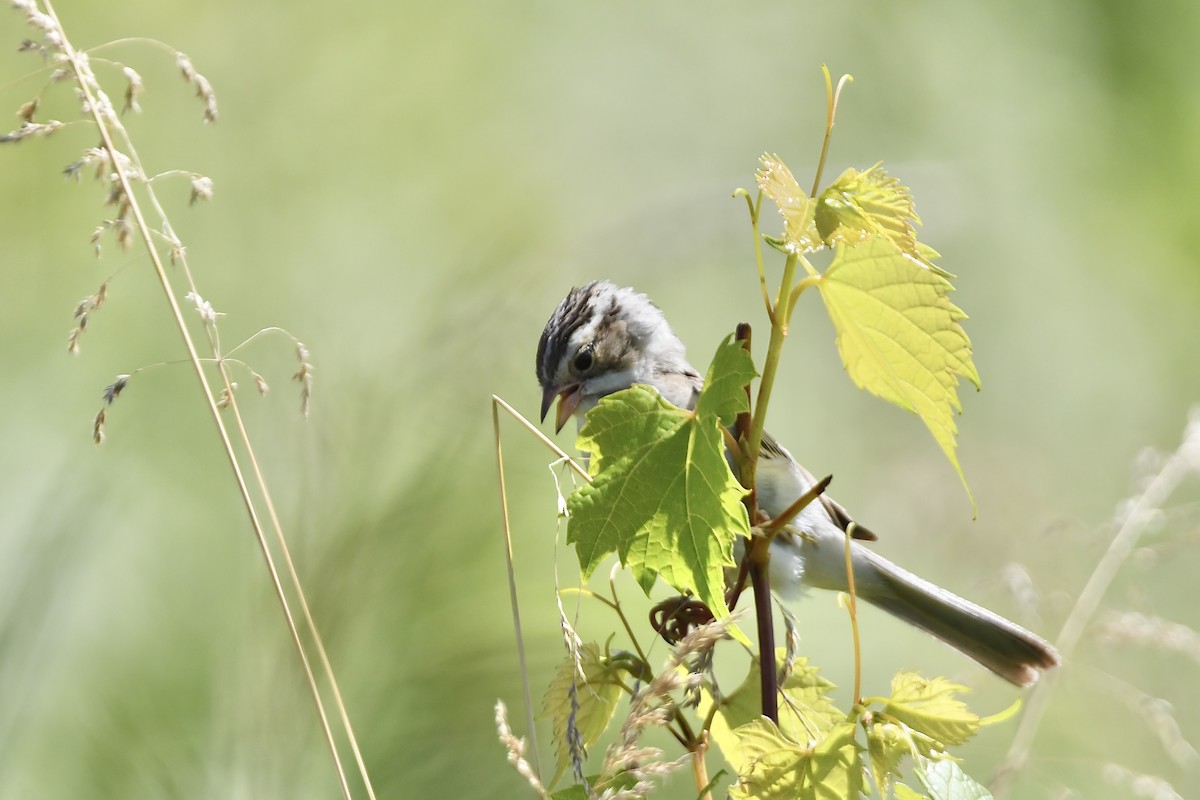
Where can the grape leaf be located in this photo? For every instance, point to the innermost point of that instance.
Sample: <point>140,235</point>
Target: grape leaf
<point>595,700</point>
<point>775,768</point>
<point>887,746</point>
<point>903,792</point>
<point>945,780</point>
<point>663,496</point>
<point>899,335</point>
<point>859,206</point>
<point>598,784</point>
<point>724,394</point>
<point>777,182</point>
<point>931,707</point>
<point>806,712</point>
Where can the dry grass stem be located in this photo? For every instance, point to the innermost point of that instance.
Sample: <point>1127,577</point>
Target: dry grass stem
<point>119,170</point>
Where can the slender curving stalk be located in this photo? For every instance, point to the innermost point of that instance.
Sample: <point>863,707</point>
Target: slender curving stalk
<point>98,112</point>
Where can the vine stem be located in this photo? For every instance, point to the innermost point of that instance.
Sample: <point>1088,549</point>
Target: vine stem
<point>853,608</point>
<point>700,769</point>
<point>755,207</point>
<point>832,96</point>
<point>685,736</point>
<point>760,563</point>
<point>780,314</point>
<point>197,364</point>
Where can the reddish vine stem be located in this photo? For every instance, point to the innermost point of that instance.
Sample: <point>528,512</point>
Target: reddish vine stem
<point>739,434</point>
<point>759,578</point>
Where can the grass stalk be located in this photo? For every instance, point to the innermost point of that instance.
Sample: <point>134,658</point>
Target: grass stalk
<point>105,123</point>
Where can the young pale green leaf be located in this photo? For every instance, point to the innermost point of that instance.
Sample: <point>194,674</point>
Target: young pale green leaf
<point>663,497</point>
<point>806,712</point>
<point>859,206</point>
<point>769,765</point>
<point>775,768</point>
<point>594,700</point>
<point>899,335</point>
<point>903,792</point>
<point>837,773</point>
<point>931,707</point>
<point>945,780</point>
<point>887,746</point>
<point>777,182</point>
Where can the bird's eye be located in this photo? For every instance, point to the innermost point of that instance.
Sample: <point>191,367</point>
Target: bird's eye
<point>583,361</point>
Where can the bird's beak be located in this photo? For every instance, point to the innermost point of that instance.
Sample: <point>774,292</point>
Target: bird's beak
<point>568,400</point>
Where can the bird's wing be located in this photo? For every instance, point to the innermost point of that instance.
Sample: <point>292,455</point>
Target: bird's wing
<point>840,516</point>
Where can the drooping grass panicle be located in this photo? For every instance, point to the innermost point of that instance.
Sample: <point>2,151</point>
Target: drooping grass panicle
<point>1136,629</point>
<point>515,748</point>
<point>1135,516</point>
<point>654,706</point>
<point>304,375</point>
<point>133,89</point>
<point>118,166</point>
<point>83,312</point>
<point>1137,784</point>
<point>1158,715</point>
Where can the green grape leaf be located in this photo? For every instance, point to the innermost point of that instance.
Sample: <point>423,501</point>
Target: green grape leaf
<point>595,699</point>
<point>860,206</point>
<point>806,712</point>
<point>887,745</point>
<point>769,766</point>
<point>799,230</point>
<point>775,768</point>
<point>899,335</point>
<point>598,784</point>
<point>945,780</point>
<point>724,395</point>
<point>663,497</point>
<point>931,707</point>
<point>903,792</point>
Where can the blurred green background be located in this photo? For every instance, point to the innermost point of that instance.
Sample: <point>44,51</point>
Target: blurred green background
<point>410,189</point>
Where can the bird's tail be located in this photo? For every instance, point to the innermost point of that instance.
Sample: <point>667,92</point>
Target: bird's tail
<point>1002,646</point>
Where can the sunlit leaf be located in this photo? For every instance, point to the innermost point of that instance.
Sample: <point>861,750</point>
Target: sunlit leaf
<point>903,792</point>
<point>859,206</point>
<point>589,700</point>
<point>945,780</point>
<point>775,768</point>
<point>663,497</point>
<point>769,765</point>
<point>837,772</point>
<point>724,395</point>
<point>806,712</point>
<point>887,745</point>
<point>777,182</point>
<point>899,335</point>
<point>930,706</point>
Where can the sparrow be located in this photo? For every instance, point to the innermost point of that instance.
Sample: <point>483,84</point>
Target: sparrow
<point>603,338</point>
